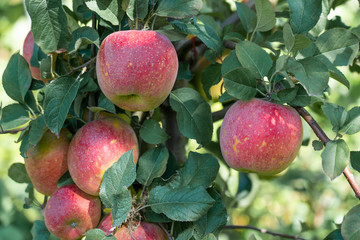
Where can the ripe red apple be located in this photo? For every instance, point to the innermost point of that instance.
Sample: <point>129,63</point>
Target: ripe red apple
<point>136,70</point>
<point>95,147</point>
<point>142,231</point>
<point>70,212</point>
<point>260,136</point>
<point>47,161</point>
<point>106,224</point>
<point>27,53</point>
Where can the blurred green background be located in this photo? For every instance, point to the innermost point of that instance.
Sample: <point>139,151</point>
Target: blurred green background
<point>302,199</point>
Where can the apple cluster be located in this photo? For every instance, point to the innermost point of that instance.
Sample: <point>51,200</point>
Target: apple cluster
<point>136,70</point>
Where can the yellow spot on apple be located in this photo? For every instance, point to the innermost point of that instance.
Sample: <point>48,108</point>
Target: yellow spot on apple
<point>249,125</point>
<point>113,141</point>
<point>245,139</point>
<point>262,145</point>
<point>237,141</point>
<point>106,74</point>
<point>130,64</point>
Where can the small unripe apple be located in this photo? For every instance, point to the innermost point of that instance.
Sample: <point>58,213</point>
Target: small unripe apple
<point>142,231</point>
<point>136,70</point>
<point>70,212</point>
<point>95,147</point>
<point>260,136</point>
<point>47,161</point>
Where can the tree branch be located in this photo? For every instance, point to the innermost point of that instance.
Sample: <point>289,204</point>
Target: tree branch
<point>265,231</point>
<point>91,100</point>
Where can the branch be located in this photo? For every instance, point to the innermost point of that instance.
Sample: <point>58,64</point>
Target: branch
<point>91,100</point>
<point>261,230</point>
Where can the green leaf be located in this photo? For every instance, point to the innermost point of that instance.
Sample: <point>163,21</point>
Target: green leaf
<point>105,103</point>
<point>45,68</point>
<point>13,116</point>
<point>59,96</point>
<point>289,37</point>
<point>336,114</point>
<point>302,98</point>
<point>253,57</point>
<point>25,145</point>
<point>350,228</point>
<point>287,95</point>
<point>16,78</point>
<point>312,74</point>
<point>97,234</point>
<point>109,10</point>
<point>64,180</point>
<point>186,234</point>
<point>211,76</point>
<point>137,9</point>
<point>334,235</point>
<point>335,158</point>
<point>39,231</point>
<point>318,145</point>
<point>121,173</point>
<point>182,204</point>
<point>240,83</point>
<point>17,172</point>
<point>304,14</point>
<point>178,9</point>
<point>152,164</point>
<point>355,160</point>
<point>230,63</point>
<point>352,125</point>
<point>82,37</point>
<point>246,16</point>
<point>214,220</point>
<point>49,24</point>
<point>184,71</point>
<point>265,15</point>
<point>199,170</point>
<point>36,130</point>
<point>121,206</point>
<point>301,42</point>
<point>339,45</point>
<point>209,237</point>
<point>152,133</point>
<point>193,114</point>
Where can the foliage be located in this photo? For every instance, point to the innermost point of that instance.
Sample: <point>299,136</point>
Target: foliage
<point>288,52</point>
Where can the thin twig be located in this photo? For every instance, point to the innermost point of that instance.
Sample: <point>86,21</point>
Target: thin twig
<point>81,66</point>
<point>164,229</point>
<point>261,230</point>
<point>13,131</point>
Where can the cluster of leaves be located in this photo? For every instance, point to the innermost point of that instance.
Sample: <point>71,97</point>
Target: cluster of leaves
<point>287,55</point>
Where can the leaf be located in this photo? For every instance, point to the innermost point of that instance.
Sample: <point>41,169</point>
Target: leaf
<point>352,125</point>
<point>36,130</point>
<point>186,234</point>
<point>13,116</point>
<point>312,74</point>
<point>17,172</point>
<point>105,103</point>
<point>178,9</point>
<point>39,231</point>
<point>109,10</point>
<point>211,76</point>
<point>240,83</point>
<point>302,98</point>
<point>25,145</point>
<point>152,133</point>
<point>253,57</point>
<point>184,71</point>
<point>318,145</point>
<point>289,37</point>
<point>121,173</point>
<point>246,16</point>
<point>121,206</point>
<point>336,114</point>
<point>193,114</point>
<point>355,160</point>
<point>97,234</point>
<point>199,170</point>
<point>304,14</point>
<point>83,36</point>
<point>334,235</point>
<point>48,24</point>
<point>350,228</point>
<point>16,78</point>
<point>64,180</point>
<point>137,9</point>
<point>338,45</point>
<point>45,68</point>
<point>152,164</point>
<point>230,63</point>
<point>182,204</point>
<point>265,15</point>
<point>301,42</point>
<point>59,96</point>
<point>335,158</point>
<point>209,237</point>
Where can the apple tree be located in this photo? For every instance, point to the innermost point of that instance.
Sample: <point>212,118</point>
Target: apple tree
<point>132,114</point>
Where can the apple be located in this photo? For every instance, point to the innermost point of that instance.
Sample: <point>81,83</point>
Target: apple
<point>142,231</point>
<point>260,136</point>
<point>95,147</point>
<point>106,224</point>
<point>70,212</point>
<point>47,161</point>
<point>136,70</point>
<point>27,53</point>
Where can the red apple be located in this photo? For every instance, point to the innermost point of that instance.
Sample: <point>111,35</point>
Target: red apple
<point>27,53</point>
<point>106,224</point>
<point>142,231</point>
<point>136,70</point>
<point>95,147</point>
<point>70,212</point>
<point>47,161</point>
<point>260,136</point>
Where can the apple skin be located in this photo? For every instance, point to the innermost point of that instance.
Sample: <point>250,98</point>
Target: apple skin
<point>261,137</point>
<point>95,147</point>
<point>136,70</point>
<point>27,53</point>
<point>106,224</point>
<point>47,161</point>
<point>70,212</point>
<point>145,231</point>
